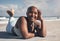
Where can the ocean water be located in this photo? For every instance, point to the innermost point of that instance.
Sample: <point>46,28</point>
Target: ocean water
<point>5,19</point>
<point>46,18</point>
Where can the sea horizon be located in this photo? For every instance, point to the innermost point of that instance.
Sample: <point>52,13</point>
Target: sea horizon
<point>45,17</point>
<point>4,20</point>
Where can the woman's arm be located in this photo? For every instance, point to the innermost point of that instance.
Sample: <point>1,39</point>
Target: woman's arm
<point>24,29</point>
<point>42,28</point>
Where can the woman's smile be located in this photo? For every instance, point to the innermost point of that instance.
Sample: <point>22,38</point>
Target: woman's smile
<point>32,14</point>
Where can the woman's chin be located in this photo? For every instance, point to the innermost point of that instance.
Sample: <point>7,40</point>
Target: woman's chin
<point>32,20</point>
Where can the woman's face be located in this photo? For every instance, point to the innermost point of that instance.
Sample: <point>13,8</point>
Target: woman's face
<point>32,14</point>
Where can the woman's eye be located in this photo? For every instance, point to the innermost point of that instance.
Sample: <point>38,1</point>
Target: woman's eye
<point>35,12</point>
<point>32,12</point>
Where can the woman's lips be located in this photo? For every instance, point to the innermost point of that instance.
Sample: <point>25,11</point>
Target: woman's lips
<point>32,19</point>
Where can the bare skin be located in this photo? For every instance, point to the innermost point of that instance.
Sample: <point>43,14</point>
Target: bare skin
<point>27,24</point>
<point>10,12</point>
<point>34,15</point>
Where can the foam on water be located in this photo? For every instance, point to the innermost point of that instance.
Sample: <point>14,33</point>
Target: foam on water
<point>4,20</point>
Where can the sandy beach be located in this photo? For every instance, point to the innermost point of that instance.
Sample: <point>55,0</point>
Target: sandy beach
<point>52,27</point>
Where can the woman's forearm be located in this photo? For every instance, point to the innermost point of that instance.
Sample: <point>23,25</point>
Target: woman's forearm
<point>43,28</point>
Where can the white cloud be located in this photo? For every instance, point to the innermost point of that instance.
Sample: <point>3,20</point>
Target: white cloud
<point>40,4</point>
<point>47,7</point>
<point>19,11</point>
<point>54,8</point>
<point>57,7</point>
<point>2,6</point>
<point>9,6</point>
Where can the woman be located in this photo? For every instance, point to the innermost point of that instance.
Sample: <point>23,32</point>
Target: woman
<point>30,26</point>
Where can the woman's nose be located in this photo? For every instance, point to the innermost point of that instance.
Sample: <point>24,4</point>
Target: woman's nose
<point>33,14</point>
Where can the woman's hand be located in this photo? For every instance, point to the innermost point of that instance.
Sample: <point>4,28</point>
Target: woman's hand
<point>40,18</point>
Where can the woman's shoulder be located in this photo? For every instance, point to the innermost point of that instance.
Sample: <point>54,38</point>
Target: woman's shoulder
<point>22,18</point>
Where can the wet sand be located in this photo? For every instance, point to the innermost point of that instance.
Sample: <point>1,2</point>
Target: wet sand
<point>52,27</point>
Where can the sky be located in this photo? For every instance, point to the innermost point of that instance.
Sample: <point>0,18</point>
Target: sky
<point>47,7</point>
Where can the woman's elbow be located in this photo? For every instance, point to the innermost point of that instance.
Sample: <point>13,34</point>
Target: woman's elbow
<point>43,35</point>
<point>26,37</point>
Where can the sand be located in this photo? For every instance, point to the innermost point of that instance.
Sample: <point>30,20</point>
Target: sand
<point>52,27</point>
